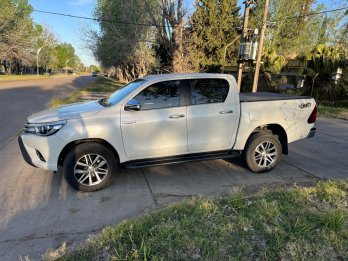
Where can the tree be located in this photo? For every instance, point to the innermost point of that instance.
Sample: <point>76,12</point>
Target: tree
<point>21,38</point>
<point>325,59</point>
<point>46,41</point>
<point>124,38</point>
<point>94,68</point>
<point>62,53</point>
<point>138,65</point>
<point>272,61</point>
<point>120,30</point>
<point>16,30</point>
<point>342,39</point>
<point>127,24</point>
<point>321,62</point>
<point>168,18</point>
<point>174,18</point>
<point>213,29</point>
<point>289,35</point>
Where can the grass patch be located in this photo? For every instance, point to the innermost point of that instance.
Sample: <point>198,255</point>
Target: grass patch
<point>12,78</point>
<point>101,85</point>
<point>333,112</point>
<point>297,223</point>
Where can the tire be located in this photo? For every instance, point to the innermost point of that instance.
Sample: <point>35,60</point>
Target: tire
<point>90,167</point>
<point>262,152</point>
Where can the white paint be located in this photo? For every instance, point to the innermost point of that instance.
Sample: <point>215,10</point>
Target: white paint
<point>152,133</point>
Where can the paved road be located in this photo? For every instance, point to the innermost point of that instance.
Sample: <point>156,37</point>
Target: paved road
<point>20,99</point>
<point>38,210</point>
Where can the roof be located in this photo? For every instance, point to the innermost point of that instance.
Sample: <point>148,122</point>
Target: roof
<point>185,75</point>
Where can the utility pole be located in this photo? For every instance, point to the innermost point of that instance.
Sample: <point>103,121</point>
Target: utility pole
<point>247,4</point>
<point>259,53</point>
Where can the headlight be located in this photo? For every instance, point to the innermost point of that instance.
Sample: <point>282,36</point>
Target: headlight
<point>43,129</point>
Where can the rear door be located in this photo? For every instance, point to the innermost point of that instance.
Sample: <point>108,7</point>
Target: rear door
<point>212,117</point>
<point>159,128</point>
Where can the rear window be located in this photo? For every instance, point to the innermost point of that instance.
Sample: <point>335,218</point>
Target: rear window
<point>204,91</point>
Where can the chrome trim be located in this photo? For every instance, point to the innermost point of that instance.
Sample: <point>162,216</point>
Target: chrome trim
<point>177,116</point>
<point>225,112</point>
<point>132,105</point>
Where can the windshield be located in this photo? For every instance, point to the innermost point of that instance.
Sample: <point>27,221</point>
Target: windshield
<point>118,95</point>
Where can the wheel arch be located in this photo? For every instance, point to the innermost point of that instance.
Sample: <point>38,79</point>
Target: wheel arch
<point>274,129</point>
<point>73,144</point>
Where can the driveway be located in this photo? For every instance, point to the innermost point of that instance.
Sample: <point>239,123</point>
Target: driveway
<point>38,210</point>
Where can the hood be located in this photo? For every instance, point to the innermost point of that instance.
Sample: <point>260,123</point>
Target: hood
<point>67,112</point>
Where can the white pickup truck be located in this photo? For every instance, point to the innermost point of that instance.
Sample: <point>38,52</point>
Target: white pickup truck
<point>162,119</point>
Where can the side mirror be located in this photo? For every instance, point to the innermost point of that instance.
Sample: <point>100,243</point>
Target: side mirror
<point>132,105</point>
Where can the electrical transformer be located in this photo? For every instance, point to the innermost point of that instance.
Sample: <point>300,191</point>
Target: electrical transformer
<point>247,51</point>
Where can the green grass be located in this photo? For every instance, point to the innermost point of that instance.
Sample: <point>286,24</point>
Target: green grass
<point>333,112</point>
<point>100,85</point>
<point>297,223</point>
<point>11,78</point>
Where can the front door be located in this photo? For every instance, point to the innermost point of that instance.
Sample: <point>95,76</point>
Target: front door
<point>158,129</point>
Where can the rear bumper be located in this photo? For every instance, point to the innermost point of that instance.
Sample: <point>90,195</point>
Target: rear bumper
<point>311,133</point>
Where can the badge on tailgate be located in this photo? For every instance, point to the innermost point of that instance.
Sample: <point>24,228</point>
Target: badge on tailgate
<point>305,105</point>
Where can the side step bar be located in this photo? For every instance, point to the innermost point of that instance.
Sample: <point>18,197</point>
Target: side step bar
<point>180,159</point>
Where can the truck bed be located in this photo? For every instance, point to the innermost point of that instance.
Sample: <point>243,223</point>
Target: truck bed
<point>267,96</point>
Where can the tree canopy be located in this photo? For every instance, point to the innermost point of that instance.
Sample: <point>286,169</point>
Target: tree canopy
<point>213,29</point>
<point>21,39</point>
<point>119,45</point>
<point>16,29</point>
<point>64,53</point>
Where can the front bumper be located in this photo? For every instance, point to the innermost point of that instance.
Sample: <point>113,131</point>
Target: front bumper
<point>24,152</point>
<point>311,133</point>
<point>41,152</point>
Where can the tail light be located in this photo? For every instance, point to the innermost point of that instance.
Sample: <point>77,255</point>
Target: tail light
<point>313,115</point>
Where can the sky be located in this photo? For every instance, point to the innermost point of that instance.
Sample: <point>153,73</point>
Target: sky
<point>69,29</point>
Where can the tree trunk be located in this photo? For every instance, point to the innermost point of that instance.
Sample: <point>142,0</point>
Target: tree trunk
<point>177,48</point>
<point>177,22</point>
<point>6,67</point>
<point>172,43</point>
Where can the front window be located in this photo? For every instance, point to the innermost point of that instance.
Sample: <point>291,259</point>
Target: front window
<point>121,93</point>
<point>160,95</point>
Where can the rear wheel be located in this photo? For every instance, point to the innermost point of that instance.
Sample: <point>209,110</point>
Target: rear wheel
<point>90,167</point>
<point>263,152</point>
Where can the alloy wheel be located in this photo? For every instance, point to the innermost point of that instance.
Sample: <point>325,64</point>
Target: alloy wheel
<point>265,154</point>
<point>91,169</point>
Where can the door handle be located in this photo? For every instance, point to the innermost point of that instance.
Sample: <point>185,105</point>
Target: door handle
<point>225,112</point>
<point>177,116</point>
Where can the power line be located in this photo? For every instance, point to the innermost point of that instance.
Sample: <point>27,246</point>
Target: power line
<point>107,20</point>
<point>310,14</point>
<point>94,19</point>
<point>167,26</point>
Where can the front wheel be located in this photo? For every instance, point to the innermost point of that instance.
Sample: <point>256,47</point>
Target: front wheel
<point>90,167</point>
<point>262,152</point>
